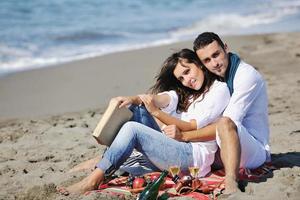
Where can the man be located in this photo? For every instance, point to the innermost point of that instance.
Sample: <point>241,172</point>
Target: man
<point>243,132</point>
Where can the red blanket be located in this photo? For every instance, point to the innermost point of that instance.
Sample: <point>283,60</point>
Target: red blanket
<point>210,187</point>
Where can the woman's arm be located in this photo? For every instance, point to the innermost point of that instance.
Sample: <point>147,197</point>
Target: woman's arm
<point>160,101</point>
<point>126,100</point>
<point>168,120</point>
<point>150,104</point>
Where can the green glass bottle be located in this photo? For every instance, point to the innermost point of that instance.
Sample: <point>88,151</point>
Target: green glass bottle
<point>152,189</point>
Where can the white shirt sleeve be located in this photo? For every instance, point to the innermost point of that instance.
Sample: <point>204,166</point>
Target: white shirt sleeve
<point>172,106</point>
<point>247,84</point>
<point>212,106</point>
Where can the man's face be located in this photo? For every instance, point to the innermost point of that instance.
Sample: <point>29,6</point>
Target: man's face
<point>214,57</point>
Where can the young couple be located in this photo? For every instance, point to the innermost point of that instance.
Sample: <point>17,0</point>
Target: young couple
<point>205,99</point>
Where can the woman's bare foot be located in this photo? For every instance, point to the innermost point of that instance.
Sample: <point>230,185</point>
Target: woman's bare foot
<point>87,184</point>
<point>86,165</point>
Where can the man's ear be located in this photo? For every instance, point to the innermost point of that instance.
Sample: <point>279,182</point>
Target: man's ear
<point>226,48</point>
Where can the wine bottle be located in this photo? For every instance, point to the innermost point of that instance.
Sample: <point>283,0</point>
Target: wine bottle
<point>184,181</point>
<point>152,189</point>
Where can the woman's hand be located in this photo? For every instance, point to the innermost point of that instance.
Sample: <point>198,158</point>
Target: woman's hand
<point>172,132</point>
<point>148,101</point>
<point>124,100</point>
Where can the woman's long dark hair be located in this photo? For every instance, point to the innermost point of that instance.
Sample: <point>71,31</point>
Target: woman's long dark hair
<point>166,80</point>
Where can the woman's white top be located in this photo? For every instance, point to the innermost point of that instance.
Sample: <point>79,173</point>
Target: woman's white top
<point>205,110</point>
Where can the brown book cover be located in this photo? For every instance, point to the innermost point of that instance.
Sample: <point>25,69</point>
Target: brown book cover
<point>110,123</point>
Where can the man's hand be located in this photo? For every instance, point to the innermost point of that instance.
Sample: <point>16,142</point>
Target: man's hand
<point>173,132</point>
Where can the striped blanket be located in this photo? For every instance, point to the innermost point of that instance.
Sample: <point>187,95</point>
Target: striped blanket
<point>209,189</point>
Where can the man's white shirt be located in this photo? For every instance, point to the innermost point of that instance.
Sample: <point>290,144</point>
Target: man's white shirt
<point>248,105</point>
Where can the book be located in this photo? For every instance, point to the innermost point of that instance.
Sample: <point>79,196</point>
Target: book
<point>111,122</point>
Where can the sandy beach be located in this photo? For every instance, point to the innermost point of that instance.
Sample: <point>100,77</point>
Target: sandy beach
<point>47,115</point>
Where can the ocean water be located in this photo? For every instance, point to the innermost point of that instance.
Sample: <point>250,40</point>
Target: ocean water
<point>35,33</point>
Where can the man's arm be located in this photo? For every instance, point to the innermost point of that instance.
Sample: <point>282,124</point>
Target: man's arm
<point>200,135</point>
<point>206,133</point>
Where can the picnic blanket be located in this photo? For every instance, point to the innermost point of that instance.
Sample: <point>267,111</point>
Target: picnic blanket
<point>210,186</point>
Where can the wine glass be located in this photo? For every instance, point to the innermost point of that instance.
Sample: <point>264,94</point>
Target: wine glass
<point>174,170</point>
<point>194,171</point>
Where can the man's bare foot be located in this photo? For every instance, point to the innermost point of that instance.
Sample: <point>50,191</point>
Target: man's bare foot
<point>234,196</point>
<point>86,165</point>
<point>87,184</point>
<point>231,185</point>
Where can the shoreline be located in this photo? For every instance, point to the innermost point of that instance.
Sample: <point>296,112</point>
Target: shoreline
<point>122,50</point>
<point>87,84</point>
<point>47,115</point>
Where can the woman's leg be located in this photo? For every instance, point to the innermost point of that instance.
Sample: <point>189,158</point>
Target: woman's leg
<point>162,151</point>
<point>137,164</point>
<point>86,165</point>
<point>141,115</point>
<point>89,183</point>
<point>159,149</point>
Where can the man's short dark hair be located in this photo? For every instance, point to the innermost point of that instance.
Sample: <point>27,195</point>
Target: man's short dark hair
<point>205,39</point>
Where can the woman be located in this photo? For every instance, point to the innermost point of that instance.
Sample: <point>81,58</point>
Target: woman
<point>193,95</point>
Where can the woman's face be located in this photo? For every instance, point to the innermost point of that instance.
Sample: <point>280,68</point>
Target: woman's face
<point>189,74</point>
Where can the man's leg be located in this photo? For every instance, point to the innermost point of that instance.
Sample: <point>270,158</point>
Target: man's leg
<point>230,152</point>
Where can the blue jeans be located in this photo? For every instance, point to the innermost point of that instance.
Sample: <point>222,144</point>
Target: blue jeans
<point>137,164</point>
<point>141,115</point>
<point>162,151</point>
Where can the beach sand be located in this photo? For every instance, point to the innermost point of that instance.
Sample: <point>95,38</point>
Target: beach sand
<point>48,115</point>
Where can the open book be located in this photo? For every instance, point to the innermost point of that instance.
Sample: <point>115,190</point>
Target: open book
<point>110,123</point>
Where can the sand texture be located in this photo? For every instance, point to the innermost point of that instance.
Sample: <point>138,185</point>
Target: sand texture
<point>48,115</point>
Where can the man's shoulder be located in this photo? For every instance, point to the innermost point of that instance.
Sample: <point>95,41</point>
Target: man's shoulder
<point>247,76</point>
<point>246,70</point>
<point>246,66</point>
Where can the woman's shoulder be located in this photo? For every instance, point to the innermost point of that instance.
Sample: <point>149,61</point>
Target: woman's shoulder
<point>169,92</point>
<point>219,88</point>
<point>218,84</point>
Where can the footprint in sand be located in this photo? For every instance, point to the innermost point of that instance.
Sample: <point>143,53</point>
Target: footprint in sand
<point>294,132</point>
